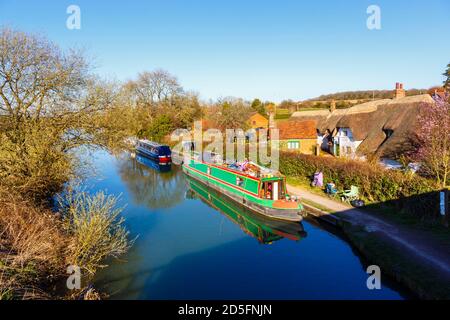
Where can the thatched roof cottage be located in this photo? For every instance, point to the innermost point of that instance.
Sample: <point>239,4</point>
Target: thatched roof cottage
<point>384,127</point>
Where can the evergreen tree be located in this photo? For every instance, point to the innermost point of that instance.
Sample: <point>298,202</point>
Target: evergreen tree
<point>447,80</point>
<point>259,107</point>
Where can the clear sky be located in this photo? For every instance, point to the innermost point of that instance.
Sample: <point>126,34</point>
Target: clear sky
<point>272,50</point>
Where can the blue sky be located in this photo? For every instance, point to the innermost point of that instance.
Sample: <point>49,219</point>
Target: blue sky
<point>272,50</point>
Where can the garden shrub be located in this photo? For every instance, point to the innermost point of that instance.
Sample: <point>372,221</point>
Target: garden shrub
<point>375,183</point>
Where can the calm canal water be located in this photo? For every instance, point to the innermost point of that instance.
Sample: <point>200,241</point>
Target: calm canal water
<point>192,244</point>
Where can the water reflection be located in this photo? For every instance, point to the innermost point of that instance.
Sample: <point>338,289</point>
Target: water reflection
<point>264,230</point>
<point>152,164</point>
<point>192,244</point>
<point>152,185</point>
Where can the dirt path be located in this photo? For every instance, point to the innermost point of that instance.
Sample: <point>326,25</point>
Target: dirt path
<point>417,242</point>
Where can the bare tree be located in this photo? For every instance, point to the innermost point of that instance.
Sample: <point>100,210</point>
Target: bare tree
<point>50,104</point>
<point>37,78</point>
<point>156,86</point>
<point>230,113</point>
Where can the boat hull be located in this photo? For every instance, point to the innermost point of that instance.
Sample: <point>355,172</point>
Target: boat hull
<point>165,160</point>
<point>273,213</point>
<point>260,227</point>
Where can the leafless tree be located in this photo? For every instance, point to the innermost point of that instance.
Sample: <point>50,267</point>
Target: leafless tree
<point>49,104</point>
<point>36,78</point>
<point>155,86</point>
<point>230,113</point>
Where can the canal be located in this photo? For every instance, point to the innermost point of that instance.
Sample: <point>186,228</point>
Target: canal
<point>193,244</point>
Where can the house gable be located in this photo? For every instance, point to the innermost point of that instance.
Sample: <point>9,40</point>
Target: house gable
<point>257,120</point>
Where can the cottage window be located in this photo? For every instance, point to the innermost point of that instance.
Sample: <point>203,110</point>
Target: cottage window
<point>293,145</point>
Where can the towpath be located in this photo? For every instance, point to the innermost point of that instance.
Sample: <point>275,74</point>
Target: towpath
<point>418,243</point>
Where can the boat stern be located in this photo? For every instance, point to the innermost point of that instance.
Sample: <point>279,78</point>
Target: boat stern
<point>288,210</point>
<point>284,204</point>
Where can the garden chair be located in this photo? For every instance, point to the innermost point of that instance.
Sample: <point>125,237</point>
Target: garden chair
<point>350,195</point>
<point>331,189</point>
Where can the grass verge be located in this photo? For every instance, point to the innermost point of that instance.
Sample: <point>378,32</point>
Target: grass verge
<point>417,276</point>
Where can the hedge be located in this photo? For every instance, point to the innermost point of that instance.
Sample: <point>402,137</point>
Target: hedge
<point>375,183</point>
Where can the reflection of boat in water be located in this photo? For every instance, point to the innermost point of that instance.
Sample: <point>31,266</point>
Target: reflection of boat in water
<point>260,189</point>
<point>152,164</point>
<point>264,229</point>
<point>150,184</point>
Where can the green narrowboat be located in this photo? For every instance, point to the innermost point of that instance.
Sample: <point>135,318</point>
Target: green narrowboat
<point>263,229</point>
<point>259,189</point>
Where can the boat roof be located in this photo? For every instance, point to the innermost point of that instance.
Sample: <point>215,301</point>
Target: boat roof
<point>265,173</point>
<point>151,143</point>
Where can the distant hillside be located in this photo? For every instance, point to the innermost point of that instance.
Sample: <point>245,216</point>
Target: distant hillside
<point>325,104</point>
<point>365,95</point>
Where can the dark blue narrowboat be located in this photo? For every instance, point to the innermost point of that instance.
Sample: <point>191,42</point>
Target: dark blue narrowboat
<point>159,153</point>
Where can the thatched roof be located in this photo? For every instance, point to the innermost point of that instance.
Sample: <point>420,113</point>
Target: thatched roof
<point>311,113</point>
<point>372,122</point>
<point>359,123</point>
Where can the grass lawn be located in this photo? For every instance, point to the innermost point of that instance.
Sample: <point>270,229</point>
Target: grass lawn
<point>305,184</point>
<point>282,114</point>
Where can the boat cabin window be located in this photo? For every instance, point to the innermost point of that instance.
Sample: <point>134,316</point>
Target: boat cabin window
<point>267,190</point>
<point>239,182</point>
<point>208,171</point>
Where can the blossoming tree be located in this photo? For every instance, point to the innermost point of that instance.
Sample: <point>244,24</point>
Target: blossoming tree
<point>434,141</point>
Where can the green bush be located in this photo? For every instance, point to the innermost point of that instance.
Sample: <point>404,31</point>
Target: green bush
<point>159,128</point>
<point>375,183</point>
<point>32,162</point>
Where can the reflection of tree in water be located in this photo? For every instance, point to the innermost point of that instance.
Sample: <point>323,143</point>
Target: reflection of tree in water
<point>150,187</point>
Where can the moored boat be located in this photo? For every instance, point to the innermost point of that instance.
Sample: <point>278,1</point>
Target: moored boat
<point>155,151</point>
<point>257,188</point>
<point>263,229</point>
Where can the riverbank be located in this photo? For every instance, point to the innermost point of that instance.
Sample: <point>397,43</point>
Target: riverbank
<point>39,247</point>
<point>413,254</point>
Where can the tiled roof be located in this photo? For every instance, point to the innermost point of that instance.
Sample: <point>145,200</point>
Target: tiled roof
<point>298,129</point>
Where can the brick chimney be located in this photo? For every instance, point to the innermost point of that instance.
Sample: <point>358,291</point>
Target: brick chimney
<point>272,123</point>
<point>332,105</point>
<point>399,91</point>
